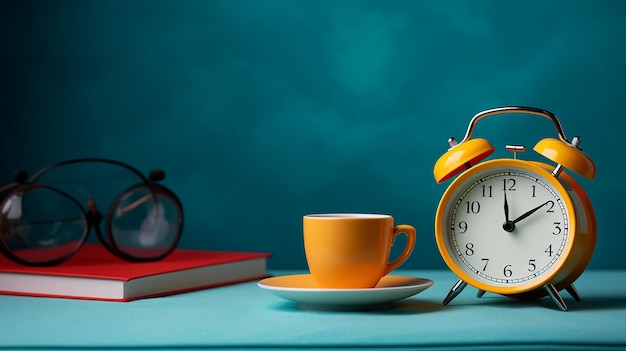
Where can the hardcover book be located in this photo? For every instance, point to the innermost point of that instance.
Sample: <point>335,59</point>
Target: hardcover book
<point>94,273</point>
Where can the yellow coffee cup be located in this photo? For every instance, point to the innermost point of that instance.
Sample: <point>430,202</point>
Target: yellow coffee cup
<point>351,250</point>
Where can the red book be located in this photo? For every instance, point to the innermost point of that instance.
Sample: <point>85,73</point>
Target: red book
<point>96,274</point>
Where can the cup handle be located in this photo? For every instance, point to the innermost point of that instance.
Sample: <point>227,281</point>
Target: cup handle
<point>408,248</point>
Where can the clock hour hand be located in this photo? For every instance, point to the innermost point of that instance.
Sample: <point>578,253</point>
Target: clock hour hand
<point>506,208</point>
<point>530,212</point>
<point>508,225</point>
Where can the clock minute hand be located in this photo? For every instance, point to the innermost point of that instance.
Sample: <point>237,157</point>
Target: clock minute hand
<point>530,212</point>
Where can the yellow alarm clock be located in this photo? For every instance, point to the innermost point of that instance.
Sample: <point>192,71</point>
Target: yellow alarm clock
<point>515,227</point>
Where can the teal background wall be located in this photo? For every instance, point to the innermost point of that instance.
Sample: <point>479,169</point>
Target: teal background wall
<point>263,111</point>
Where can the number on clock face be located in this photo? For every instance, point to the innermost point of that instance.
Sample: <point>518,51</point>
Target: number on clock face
<point>507,226</point>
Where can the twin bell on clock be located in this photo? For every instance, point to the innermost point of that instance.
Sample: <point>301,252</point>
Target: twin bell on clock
<point>518,228</point>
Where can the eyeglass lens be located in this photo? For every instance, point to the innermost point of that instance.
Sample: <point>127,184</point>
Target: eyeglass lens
<point>40,224</point>
<point>144,222</point>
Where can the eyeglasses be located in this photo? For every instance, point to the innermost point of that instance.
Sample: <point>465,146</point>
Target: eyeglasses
<point>41,225</point>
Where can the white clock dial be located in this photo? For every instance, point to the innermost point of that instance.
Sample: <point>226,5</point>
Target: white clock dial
<point>506,226</point>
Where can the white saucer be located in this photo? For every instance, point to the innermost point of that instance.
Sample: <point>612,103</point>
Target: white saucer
<point>302,290</point>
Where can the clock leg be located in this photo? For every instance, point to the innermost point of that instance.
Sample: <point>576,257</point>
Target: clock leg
<point>480,293</point>
<point>555,296</point>
<point>456,289</point>
<point>572,291</point>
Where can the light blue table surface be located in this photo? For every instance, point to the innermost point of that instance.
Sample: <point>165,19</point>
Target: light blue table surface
<point>245,316</point>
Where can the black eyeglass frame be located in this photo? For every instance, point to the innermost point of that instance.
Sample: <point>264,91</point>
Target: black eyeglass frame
<point>93,217</point>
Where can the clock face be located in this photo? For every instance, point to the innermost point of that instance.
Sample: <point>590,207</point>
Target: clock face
<point>505,225</point>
